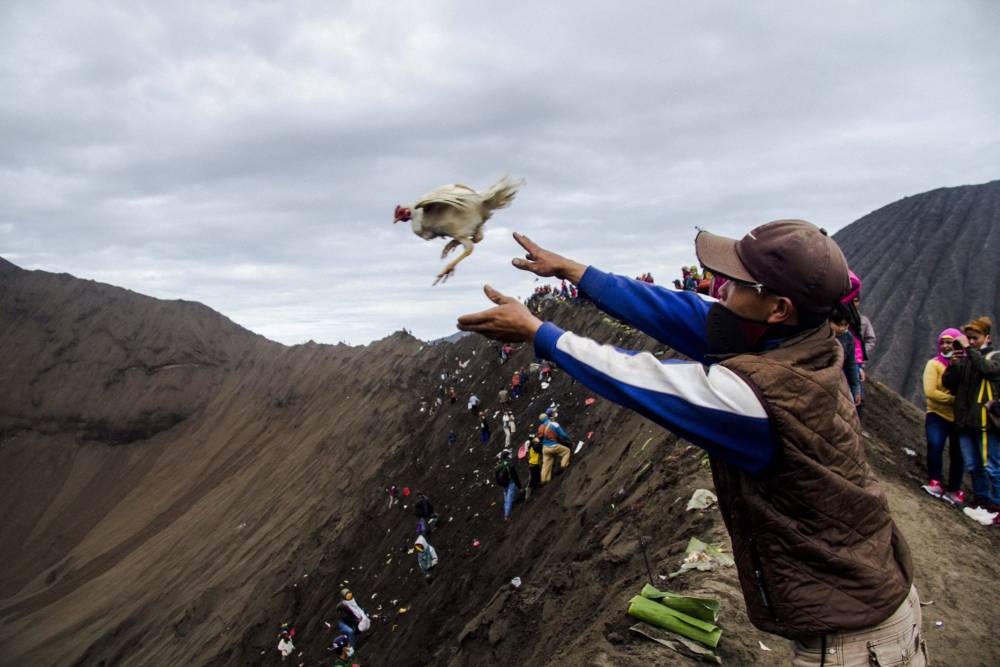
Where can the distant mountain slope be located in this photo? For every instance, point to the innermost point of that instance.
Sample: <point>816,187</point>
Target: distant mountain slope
<point>139,364</point>
<point>928,262</point>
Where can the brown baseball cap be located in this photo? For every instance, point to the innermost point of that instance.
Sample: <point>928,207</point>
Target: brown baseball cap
<point>793,258</point>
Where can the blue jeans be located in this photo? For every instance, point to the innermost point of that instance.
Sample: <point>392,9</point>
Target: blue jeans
<point>984,467</point>
<point>347,630</point>
<point>508,499</point>
<point>939,432</point>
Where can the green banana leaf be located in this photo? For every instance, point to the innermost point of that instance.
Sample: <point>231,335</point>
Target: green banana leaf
<point>662,616</point>
<point>704,609</point>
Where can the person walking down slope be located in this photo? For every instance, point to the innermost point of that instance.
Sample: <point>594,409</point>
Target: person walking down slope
<point>427,558</point>
<point>473,403</point>
<point>508,427</point>
<point>534,466</point>
<point>974,378</point>
<point>545,374</point>
<point>343,651</point>
<point>939,425</point>
<point>819,557</point>
<point>515,385</point>
<point>393,493</point>
<point>507,479</point>
<point>484,428</point>
<point>552,437</point>
<point>285,644</point>
<point>426,518</point>
<point>353,618</point>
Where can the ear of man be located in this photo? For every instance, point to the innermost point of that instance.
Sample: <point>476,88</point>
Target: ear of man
<point>782,311</point>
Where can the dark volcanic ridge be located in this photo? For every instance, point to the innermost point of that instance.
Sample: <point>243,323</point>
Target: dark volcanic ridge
<point>928,262</point>
<point>177,487</point>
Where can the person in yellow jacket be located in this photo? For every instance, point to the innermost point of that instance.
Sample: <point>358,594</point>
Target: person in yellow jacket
<point>940,425</point>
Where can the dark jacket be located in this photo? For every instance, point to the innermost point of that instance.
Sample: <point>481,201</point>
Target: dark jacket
<point>423,507</point>
<point>851,371</point>
<point>506,473</point>
<point>815,546</point>
<point>347,616</point>
<point>973,380</point>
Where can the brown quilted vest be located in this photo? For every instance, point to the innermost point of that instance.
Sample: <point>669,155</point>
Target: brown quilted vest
<point>815,546</point>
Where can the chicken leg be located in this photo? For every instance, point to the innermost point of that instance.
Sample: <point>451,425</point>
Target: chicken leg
<point>451,245</point>
<point>450,269</point>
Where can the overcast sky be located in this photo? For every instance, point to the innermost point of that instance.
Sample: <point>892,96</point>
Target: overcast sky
<point>249,155</point>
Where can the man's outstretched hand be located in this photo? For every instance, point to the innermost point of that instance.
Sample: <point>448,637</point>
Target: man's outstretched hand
<point>546,263</point>
<point>510,321</point>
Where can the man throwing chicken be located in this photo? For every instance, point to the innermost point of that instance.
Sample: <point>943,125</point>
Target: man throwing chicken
<point>820,559</point>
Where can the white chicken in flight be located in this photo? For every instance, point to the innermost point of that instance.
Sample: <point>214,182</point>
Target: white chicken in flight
<point>458,212</point>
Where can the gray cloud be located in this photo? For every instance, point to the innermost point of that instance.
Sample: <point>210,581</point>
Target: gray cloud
<point>249,155</point>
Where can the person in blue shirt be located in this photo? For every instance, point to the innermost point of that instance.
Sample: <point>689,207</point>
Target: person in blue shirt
<point>554,444</point>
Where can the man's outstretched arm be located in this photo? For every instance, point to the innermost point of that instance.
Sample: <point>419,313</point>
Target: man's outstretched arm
<point>713,408</point>
<point>676,319</point>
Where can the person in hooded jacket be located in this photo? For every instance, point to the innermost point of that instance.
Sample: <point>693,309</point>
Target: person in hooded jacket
<point>427,557</point>
<point>974,378</point>
<point>939,425</point>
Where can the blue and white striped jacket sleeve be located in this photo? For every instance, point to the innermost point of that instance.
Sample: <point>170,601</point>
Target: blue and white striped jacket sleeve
<point>710,406</point>
<point>676,319</point>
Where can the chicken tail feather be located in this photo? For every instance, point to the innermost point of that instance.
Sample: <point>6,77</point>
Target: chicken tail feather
<point>501,193</point>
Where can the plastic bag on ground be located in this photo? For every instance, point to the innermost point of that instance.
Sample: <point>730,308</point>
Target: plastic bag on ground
<point>701,499</point>
<point>704,557</point>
